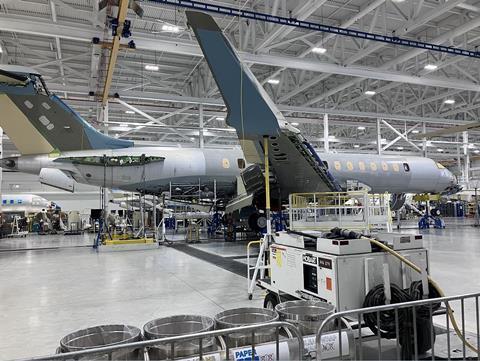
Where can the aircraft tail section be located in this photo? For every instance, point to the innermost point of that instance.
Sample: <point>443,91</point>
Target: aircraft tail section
<point>250,110</point>
<point>40,122</point>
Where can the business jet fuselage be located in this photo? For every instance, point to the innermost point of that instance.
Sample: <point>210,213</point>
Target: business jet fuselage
<point>167,168</point>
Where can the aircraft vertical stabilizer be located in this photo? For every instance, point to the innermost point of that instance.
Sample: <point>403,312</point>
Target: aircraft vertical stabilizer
<point>40,122</point>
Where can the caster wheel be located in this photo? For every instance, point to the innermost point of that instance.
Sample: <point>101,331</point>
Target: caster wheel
<point>271,300</point>
<point>250,297</point>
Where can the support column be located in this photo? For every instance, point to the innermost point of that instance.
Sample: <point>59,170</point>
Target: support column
<point>106,191</point>
<point>154,207</point>
<point>1,171</point>
<point>105,118</point>
<point>379,136</point>
<point>459,156</point>
<point>325,133</point>
<point>267,186</point>
<point>466,153</point>
<point>424,140</point>
<point>200,130</point>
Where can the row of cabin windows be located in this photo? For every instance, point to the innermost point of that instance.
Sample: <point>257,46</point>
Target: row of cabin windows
<point>372,166</point>
<point>11,201</point>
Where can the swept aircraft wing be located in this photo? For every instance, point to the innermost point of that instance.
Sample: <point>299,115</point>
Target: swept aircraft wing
<point>253,114</point>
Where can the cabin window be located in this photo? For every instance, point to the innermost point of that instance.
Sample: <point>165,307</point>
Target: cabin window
<point>373,166</point>
<point>338,165</point>
<point>4,201</point>
<point>241,163</point>
<point>350,166</point>
<point>406,167</point>
<point>325,164</point>
<point>395,167</point>
<point>12,201</point>
<point>384,166</point>
<point>361,165</point>
<point>19,201</point>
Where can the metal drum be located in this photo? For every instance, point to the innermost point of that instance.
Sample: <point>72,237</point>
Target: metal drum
<point>176,326</point>
<point>245,317</point>
<point>306,315</point>
<point>104,335</point>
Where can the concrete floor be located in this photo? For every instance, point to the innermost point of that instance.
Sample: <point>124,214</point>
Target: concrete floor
<point>47,293</point>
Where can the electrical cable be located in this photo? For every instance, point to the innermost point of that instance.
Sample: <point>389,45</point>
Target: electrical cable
<point>385,325</point>
<point>435,285</point>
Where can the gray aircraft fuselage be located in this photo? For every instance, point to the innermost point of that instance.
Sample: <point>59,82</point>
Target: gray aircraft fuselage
<point>191,166</point>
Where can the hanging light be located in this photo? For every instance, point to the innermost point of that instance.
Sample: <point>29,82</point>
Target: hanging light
<point>430,67</point>
<point>319,50</point>
<point>151,67</point>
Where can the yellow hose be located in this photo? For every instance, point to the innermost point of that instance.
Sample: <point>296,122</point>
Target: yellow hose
<point>434,284</point>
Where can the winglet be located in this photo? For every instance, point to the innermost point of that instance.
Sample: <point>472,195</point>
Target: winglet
<point>250,110</point>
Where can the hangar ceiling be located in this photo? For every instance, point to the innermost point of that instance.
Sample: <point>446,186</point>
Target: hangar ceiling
<point>317,73</point>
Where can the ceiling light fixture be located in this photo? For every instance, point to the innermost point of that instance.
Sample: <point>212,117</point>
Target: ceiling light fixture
<point>356,146</point>
<point>294,124</point>
<point>370,92</point>
<point>361,128</point>
<point>151,67</point>
<point>439,150</point>
<point>415,131</point>
<point>123,125</point>
<point>219,118</point>
<point>1,49</point>
<point>449,101</point>
<point>273,81</point>
<point>319,50</point>
<point>170,28</point>
<point>129,112</point>
<point>430,67</point>
<point>476,151</point>
<point>400,148</point>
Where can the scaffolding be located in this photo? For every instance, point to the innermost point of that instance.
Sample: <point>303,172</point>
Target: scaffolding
<point>357,210</point>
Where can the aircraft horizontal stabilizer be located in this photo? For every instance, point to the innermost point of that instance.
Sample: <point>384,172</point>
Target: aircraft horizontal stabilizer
<point>57,178</point>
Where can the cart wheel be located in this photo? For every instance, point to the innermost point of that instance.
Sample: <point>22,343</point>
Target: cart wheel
<point>271,300</point>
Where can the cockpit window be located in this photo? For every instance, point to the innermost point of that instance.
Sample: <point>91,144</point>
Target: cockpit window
<point>439,166</point>
<point>406,167</point>
<point>241,163</point>
<point>39,85</point>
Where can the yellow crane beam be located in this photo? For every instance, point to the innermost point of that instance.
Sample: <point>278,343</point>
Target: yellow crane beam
<point>122,14</point>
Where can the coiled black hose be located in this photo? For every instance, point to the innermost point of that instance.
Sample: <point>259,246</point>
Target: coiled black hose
<point>385,324</point>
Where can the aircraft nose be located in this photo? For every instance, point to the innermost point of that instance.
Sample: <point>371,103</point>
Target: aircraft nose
<point>450,182</point>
